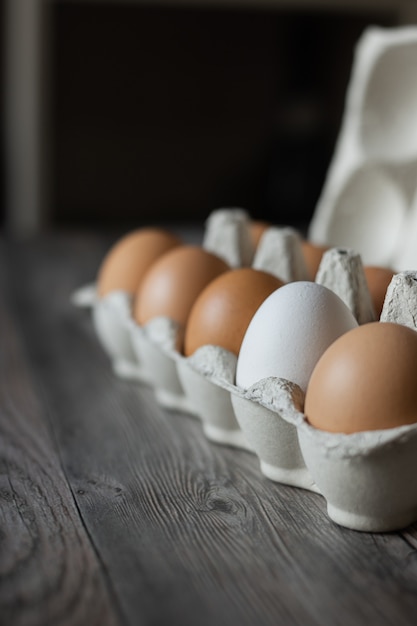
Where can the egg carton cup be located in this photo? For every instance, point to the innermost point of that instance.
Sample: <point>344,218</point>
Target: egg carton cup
<point>227,234</point>
<point>400,304</point>
<point>199,385</point>
<point>341,270</point>
<point>207,377</point>
<point>267,413</point>
<point>366,477</point>
<point>369,201</point>
<point>155,345</point>
<point>261,420</point>
<point>280,253</point>
<point>111,318</point>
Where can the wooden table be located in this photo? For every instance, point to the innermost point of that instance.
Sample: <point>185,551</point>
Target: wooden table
<point>115,511</point>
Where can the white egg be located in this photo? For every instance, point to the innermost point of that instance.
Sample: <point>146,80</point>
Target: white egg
<point>289,333</point>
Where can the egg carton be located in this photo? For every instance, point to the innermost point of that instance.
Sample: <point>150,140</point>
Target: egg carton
<point>369,199</point>
<point>364,477</point>
<point>267,418</point>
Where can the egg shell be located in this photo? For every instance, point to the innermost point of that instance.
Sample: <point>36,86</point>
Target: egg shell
<point>128,260</point>
<point>366,380</point>
<point>313,254</point>
<point>378,279</point>
<point>206,378</point>
<point>256,230</point>
<point>289,333</point>
<point>223,310</point>
<point>174,281</point>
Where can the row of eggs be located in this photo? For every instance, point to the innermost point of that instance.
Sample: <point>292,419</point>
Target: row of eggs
<point>339,376</point>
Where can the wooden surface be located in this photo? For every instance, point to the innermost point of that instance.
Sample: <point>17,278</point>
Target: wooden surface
<point>115,511</point>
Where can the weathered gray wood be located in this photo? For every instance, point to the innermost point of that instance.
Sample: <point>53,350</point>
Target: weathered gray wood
<point>49,572</point>
<point>186,531</point>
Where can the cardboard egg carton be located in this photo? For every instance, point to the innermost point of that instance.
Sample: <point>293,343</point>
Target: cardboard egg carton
<point>369,199</point>
<point>267,418</point>
<point>363,477</point>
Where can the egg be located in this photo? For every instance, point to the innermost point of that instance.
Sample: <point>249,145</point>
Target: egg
<point>256,230</point>
<point>312,255</point>
<point>366,380</point>
<point>289,333</point>
<point>378,279</point>
<point>223,310</point>
<point>171,286</point>
<point>127,261</point>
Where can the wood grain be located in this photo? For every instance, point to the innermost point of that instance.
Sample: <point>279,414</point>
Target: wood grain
<point>49,573</point>
<point>188,532</point>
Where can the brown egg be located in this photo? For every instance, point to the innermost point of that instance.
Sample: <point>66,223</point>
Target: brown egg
<point>223,310</point>
<point>127,261</point>
<point>366,380</point>
<point>378,279</point>
<point>313,255</point>
<point>172,284</point>
<point>256,230</point>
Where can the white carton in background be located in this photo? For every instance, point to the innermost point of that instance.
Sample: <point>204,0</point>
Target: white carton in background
<point>367,199</point>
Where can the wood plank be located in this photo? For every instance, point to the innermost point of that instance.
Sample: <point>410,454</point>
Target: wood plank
<point>49,572</point>
<point>189,532</point>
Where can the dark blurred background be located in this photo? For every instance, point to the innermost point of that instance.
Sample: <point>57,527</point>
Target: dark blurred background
<point>159,113</point>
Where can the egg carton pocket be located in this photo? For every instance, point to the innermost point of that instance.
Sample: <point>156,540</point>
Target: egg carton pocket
<point>366,477</point>
<point>280,253</point>
<point>155,343</point>
<point>207,378</point>
<point>227,235</point>
<point>268,413</point>
<point>111,316</point>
